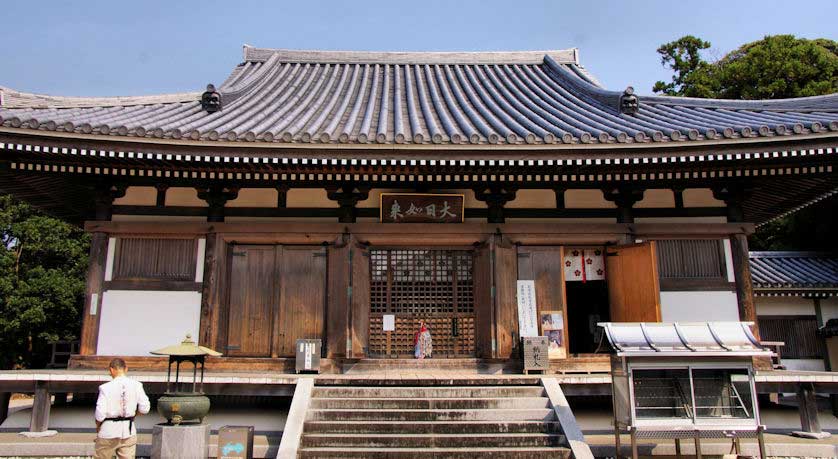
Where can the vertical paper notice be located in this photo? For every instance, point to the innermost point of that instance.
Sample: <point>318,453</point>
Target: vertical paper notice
<point>527,320</point>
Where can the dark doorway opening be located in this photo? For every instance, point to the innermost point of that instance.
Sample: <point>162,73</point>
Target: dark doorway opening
<point>587,304</point>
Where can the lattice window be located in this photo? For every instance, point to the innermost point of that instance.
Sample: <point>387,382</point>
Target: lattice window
<point>691,259</point>
<point>155,259</point>
<point>799,333</point>
<point>421,281</point>
<point>436,286</point>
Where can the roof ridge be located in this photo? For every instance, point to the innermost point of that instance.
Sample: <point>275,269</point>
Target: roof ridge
<point>791,254</point>
<point>564,56</point>
<point>12,98</point>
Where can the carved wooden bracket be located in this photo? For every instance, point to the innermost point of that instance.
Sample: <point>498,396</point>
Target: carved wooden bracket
<point>733,195</point>
<point>347,195</point>
<point>216,197</point>
<point>495,197</point>
<point>625,198</point>
<point>104,195</point>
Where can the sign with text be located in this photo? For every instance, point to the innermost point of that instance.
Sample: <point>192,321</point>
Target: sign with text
<point>527,320</point>
<point>421,208</point>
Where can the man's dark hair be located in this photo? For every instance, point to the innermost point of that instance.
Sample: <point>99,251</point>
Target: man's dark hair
<point>118,364</point>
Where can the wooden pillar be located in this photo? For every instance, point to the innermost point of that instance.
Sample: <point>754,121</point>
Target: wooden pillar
<point>93,293</point>
<point>495,197</point>
<point>337,298</point>
<point>5,397</point>
<point>807,404</point>
<point>505,263</point>
<point>734,196</point>
<point>39,422</point>
<point>160,200</point>
<point>742,275</point>
<point>359,301</point>
<point>211,292</point>
<point>347,195</point>
<point>560,203</point>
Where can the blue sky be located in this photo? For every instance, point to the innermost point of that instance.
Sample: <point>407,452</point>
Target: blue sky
<point>111,47</point>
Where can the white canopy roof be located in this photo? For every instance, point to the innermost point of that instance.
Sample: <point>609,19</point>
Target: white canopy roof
<point>683,339</point>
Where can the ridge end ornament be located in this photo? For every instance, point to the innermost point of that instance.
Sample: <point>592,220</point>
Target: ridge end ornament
<point>629,103</point>
<point>211,99</point>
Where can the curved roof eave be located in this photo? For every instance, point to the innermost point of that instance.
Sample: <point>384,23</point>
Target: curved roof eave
<point>500,100</point>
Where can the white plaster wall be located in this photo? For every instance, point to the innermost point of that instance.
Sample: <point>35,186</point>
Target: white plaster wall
<point>784,306</point>
<point>829,308</point>
<point>804,364</point>
<point>699,306</point>
<point>135,322</point>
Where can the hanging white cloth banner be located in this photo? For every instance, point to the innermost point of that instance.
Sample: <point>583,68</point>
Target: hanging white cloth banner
<point>584,264</point>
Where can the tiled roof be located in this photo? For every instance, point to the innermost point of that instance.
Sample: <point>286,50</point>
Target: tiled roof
<point>323,97</point>
<point>789,271</point>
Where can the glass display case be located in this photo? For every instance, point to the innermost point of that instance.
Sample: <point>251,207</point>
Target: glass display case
<point>693,380</point>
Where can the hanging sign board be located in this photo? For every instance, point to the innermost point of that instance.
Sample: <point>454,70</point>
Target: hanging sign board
<point>527,320</point>
<point>422,208</point>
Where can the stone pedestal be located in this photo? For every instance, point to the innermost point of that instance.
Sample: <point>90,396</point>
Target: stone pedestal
<point>185,441</point>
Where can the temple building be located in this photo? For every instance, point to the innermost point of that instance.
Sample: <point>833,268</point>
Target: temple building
<point>346,196</point>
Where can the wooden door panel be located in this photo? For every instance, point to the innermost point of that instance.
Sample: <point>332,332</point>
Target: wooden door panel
<point>544,266</point>
<point>506,275</point>
<point>252,301</point>
<point>633,287</point>
<point>483,307</point>
<point>302,296</point>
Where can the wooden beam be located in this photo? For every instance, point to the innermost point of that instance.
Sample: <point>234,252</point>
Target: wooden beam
<point>93,293</point>
<point>167,285</point>
<point>5,397</point>
<point>39,422</point>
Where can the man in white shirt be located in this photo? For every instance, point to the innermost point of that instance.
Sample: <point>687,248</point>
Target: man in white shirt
<point>119,402</point>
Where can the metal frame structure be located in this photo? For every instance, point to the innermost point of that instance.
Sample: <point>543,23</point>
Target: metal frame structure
<point>674,346</point>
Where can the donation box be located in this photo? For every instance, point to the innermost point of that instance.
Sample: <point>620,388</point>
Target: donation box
<point>235,442</point>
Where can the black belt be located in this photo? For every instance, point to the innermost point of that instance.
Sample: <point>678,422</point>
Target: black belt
<point>123,418</point>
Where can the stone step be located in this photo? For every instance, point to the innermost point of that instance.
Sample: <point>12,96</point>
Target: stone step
<point>431,453</point>
<point>432,427</point>
<point>430,403</point>
<point>494,440</point>
<point>427,392</point>
<point>431,378</point>
<point>543,414</point>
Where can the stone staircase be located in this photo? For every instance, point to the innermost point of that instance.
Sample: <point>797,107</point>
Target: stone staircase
<point>432,421</point>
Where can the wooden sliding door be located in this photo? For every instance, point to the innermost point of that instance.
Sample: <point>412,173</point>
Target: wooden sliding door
<point>253,300</point>
<point>302,298</point>
<point>633,286</point>
<point>277,295</point>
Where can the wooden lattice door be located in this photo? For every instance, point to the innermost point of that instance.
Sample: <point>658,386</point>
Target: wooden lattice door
<point>436,286</point>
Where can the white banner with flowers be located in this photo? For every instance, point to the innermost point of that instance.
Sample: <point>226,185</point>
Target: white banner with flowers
<point>584,264</point>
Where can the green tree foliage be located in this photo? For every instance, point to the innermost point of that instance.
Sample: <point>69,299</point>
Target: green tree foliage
<point>776,67</point>
<point>42,271</point>
<point>683,56</point>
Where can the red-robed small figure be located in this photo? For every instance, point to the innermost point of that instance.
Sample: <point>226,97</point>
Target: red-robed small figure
<point>422,343</point>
